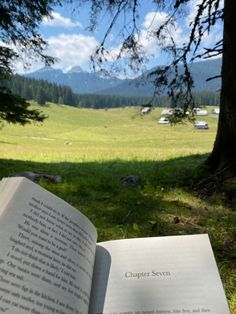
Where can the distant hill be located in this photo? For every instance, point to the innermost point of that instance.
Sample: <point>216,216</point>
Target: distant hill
<point>95,83</point>
<point>79,80</point>
<point>201,71</point>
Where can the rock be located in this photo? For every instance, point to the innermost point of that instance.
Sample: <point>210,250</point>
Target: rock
<point>176,220</point>
<point>37,176</point>
<point>130,180</point>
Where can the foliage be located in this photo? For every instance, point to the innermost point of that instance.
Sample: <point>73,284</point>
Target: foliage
<point>41,91</point>
<point>19,37</point>
<point>19,24</point>
<point>18,111</point>
<point>96,101</point>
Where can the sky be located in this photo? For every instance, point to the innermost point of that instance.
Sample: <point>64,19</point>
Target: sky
<point>72,44</point>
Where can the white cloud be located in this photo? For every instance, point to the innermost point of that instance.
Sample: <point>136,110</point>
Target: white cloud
<point>215,35</point>
<point>147,36</point>
<point>209,39</point>
<point>193,6</point>
<point>58,20</point>
<point>152,22</point>
<point>71,50</point>
<point>151,46</point>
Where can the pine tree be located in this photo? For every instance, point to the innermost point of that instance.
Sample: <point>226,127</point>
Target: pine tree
<point>18,26</point>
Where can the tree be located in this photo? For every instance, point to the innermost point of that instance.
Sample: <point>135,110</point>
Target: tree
<point>223,154</point>
<point>18,37</point>
<point>209,12</point>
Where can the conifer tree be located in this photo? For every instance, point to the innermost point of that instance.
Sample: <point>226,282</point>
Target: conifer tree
<point>19,35</point>
<point>222,159</point>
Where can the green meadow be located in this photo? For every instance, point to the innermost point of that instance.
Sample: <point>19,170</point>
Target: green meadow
<point>75,135</point>
<point>92,149</point>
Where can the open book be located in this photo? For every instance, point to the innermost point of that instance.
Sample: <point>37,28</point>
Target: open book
<point>50,263</point>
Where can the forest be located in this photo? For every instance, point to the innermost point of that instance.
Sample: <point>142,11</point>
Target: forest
<point>42,92</point>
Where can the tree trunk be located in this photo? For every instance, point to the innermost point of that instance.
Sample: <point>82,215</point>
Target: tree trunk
<point>223,156</point>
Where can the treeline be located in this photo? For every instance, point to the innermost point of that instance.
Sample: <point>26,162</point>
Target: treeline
<point>42,91</point>
<point>203,98</point>
<point>207,98</point>
<point>98,101</point>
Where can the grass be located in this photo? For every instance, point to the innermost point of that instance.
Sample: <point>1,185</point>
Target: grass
<point>87,135</point>
<point>93,149</point>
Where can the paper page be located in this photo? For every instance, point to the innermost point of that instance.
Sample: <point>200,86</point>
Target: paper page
<point>165,275</point>
<point>7,190</point>
<point>47,254</point>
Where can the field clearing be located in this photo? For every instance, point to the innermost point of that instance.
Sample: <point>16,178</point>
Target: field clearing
<point>71,134</point>
<point>93,149</point>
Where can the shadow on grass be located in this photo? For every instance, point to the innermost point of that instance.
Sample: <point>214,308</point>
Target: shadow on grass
<point>164,204</point>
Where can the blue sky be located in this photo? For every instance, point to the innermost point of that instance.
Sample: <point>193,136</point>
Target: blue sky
<point>70,42</point>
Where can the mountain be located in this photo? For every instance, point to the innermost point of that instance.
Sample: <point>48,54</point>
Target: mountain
<point>96,83</point>
<point>203,70</point>
<point>79,80</point>
<point>200,71</point>
<point>75,69</point>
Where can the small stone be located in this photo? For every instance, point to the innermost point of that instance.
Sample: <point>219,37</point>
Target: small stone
<point>176,220</point>
<point>37,176</point>
<point>130,180</point>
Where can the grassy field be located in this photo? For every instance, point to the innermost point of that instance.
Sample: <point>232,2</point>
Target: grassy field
<point>93,149</point>
<point>77,135</point>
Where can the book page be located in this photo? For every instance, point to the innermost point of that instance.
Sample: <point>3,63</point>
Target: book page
<point>47,253</point>
<point>165,275</point>
<point>7,190</point>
